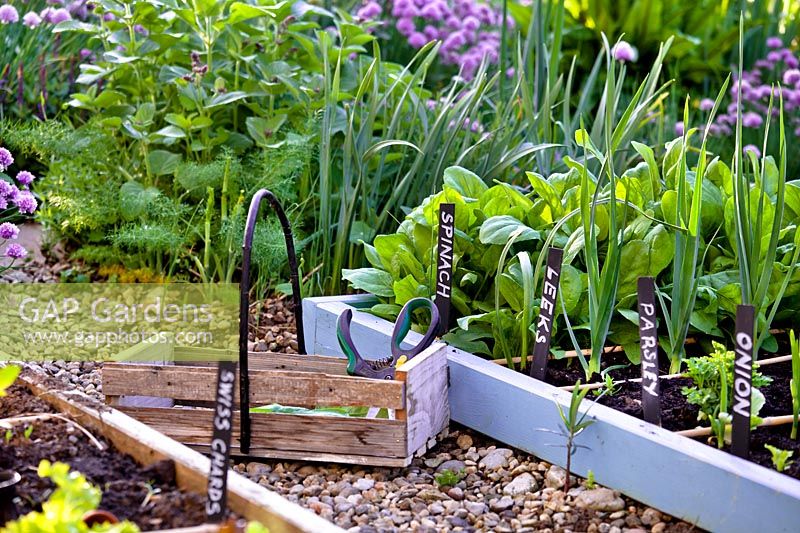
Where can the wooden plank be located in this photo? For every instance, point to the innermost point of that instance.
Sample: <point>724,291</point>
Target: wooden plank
<point>428,410</point>
<point>148,446</point>
<point>278,361</point>
<point>299,433</point>
<point>266,386</point>
<point>644,461</point>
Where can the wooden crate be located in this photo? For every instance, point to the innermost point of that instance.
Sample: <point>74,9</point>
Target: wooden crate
<point>418,394</point>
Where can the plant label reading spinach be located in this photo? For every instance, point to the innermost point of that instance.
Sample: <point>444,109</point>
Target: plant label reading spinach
<point>648,340</point>
<point>547,309</point>
<point>742,380</point>
<point>444,265</point>
<point>217,502</point>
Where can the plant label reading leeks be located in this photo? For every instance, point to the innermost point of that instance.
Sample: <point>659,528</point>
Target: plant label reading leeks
<point>648,338</point>
<point>547,308</point>
<point>216,503</point>
<point>742,380</point>
<point>444,267</point>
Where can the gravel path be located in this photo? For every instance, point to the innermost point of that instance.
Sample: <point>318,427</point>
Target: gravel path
<point>467,482</point>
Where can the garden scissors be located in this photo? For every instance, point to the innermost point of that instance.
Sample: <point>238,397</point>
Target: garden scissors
<point>384,368</point>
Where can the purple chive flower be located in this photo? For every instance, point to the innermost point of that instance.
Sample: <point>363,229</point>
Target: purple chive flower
<point>6,159</point>
<point>25,178</point>
<point>510,71</point>
<point>108,17</point>
<point>432,11</point>
<point>624,52</point>
<point>471,23</point>
<point>753,149</point>
<point>31,19</point>
<point>6,189</point>
<point>60,15</point>
<point>8,231</point>
<point>431,32</point>
<point>706,104</point>
<point>791,61</point>
<point>405,26</point>
<point>679,128</point>
<point>370,11</point>
<point>417,40</point>
<point>85,52</point>
<point>15,251</point>
<point>752,120</point>
<point>25,202</point>
<point>141,30</point>
<point>774,56</point>
<point>774,42</point>
<point>8,14</point>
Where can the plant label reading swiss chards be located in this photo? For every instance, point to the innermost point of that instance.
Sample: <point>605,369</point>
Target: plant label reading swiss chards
<point>742,380</point>
<point>648,341</point>
<point>217,501</point>
<point>444,264</point>
<point>547,309</point>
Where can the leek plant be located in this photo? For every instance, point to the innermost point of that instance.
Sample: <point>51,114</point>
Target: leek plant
<point>687,217</point>
<point>758,212</point>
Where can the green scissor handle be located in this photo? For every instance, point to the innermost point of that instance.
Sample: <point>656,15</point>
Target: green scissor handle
<point>384,368</point>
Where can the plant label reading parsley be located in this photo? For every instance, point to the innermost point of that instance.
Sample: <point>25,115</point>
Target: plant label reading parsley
<point>547,309</point>
<point>216,504</point>
<point>444,266</point>
<point>648,339</point>
<point>742,380</point>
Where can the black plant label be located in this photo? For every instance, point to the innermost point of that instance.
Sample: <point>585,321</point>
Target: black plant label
<point>648,342</point>
<point>444,264</point>
<point>547,309</point>
<point>742,380</point>
<point>217,501</point>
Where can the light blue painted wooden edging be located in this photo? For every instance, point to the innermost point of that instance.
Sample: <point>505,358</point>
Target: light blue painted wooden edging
<point>687,479</point>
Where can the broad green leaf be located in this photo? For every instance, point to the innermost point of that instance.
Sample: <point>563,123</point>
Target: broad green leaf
<point>467,183</point>
<point>135,199</point>
<point>407,289</point>
<point>571,288</point>
<point>635,263</point>
<point>498,229</point>
<point>371,280</point>
<point>8,374</point>
<point>662,249</point>
<point>162,162</point>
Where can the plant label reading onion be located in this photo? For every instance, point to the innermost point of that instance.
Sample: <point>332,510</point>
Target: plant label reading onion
<point>742,380</point>
<point>547,309</point>
<point>648,340</point>
<point>444,265</point>
<point>217,501</point>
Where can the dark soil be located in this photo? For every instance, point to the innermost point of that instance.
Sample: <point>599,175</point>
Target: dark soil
<point>567,371</point>
<point>677,414</point>
<point>125,485</point>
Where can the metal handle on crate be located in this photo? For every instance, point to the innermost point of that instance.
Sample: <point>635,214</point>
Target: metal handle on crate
<point>244,303</point>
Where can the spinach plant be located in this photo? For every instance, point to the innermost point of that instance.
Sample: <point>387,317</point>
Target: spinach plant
<point>713,377</point>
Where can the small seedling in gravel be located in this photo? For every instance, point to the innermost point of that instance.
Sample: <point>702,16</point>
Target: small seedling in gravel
<point>449,478</point>
<point>780,458</point>
<point>590,481</point>
<point>572,424</point>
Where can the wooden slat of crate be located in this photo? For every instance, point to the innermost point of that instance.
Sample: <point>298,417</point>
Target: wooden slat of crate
<point>266,386</point>
<point>266,361</point>
<point>285,433</point>
<point>427,410</point>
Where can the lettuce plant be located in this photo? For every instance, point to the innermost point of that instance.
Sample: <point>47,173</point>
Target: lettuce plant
<point>73,497</point>
<point>780,458</point>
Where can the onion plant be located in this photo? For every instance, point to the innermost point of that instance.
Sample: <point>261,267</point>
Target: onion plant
<point>794,384</point>
<point>758,211</point>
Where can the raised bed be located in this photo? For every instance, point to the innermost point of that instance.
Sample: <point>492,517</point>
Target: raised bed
<point>147,447</point>
<point>688,479</point>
